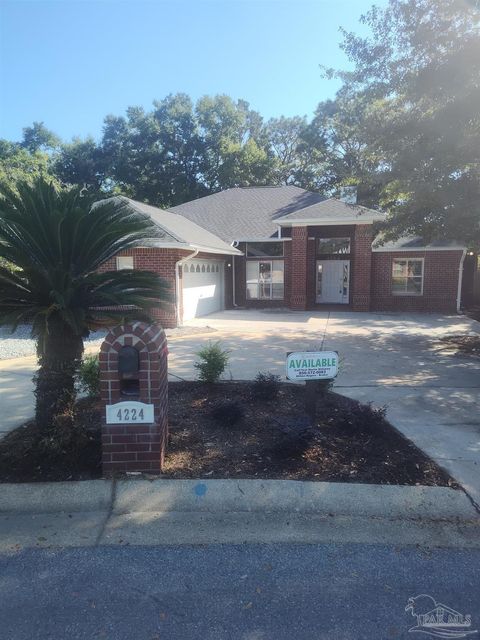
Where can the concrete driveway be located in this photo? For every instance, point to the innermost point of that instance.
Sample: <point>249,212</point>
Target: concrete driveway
<point>432,394</point>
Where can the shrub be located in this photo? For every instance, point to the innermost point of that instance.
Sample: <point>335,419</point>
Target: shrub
<point>213,362</point>
<point>88,377</point>
<point>266,385</point>
<point>228,412</point>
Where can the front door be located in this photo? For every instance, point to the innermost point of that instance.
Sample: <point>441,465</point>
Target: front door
<point>333,278</point>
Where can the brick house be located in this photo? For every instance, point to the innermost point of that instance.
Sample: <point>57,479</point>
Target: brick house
<point>287,247</point>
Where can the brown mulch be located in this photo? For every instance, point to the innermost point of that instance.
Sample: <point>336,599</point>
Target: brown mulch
<point>348,442</point>
<point>469,345</point>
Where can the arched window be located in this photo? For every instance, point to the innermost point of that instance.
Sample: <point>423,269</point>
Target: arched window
<point>198,268</point>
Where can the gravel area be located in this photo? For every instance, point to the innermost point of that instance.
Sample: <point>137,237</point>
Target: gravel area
<point>20,344</point>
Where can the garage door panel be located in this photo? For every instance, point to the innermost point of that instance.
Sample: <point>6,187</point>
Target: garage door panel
<point>203,288</point>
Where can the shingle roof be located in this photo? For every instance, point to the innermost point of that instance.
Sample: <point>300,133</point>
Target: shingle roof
<point>246,213</point>
<point>180,230</point>
<point>336,211</point>
<point>415,243</point>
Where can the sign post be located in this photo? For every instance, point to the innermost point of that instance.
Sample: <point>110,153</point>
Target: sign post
<point>311,366</point>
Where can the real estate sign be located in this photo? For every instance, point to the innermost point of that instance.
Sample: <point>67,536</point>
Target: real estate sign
<point>312,365</point>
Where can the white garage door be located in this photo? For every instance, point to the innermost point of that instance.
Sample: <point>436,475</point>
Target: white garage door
<point>203,288</point>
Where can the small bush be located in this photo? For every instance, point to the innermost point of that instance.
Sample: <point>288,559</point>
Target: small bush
<point>364,418</point>
<point>213,362</point>
<point>88,377</point>
<point>266,385</point>
<point>228,412</point>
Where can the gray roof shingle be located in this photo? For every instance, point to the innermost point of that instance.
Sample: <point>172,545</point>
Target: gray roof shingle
<point>334,210</point>
<point>176,229</point>
<point>246,213</point>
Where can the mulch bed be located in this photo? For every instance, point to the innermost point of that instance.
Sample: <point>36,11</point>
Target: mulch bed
<point>469,345</point>
<point>348,442</point>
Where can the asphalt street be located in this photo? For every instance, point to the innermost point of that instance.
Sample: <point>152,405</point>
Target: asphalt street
<point>244,592</point>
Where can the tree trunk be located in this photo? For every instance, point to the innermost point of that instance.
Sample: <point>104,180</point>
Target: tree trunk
<point>59,356</point>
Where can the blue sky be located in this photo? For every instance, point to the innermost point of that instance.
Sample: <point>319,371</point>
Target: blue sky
<point>70,63</point>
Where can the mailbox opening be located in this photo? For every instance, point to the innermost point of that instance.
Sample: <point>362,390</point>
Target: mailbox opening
<point>128,369</point>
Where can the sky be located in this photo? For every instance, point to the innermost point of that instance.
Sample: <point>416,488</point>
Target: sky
<point>69,63</point>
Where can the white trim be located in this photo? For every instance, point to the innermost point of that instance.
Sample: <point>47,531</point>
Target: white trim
<point>262,240</point>
<point>417,249</point>
<point>407,294</point>
<point>319,222</point>
<point>196,247</point>
<point>460,280</point>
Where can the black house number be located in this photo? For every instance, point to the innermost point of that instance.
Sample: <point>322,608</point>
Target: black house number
<point>129,415</point>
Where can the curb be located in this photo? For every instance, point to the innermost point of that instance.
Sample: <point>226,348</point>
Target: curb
<point>249,496</point>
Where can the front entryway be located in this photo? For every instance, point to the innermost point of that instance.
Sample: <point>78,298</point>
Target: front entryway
<point>203,288</point>
<point>333,281</point>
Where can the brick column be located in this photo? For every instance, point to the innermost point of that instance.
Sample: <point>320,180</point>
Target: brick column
<point>362,267</point>
<point>299,262</point>
<point>135,447</point>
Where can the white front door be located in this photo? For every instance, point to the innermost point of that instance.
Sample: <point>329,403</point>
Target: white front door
<point>203,288</point>
<point>333,279</point>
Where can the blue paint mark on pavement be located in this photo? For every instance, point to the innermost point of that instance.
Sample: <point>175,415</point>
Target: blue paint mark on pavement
<point>200,489</point>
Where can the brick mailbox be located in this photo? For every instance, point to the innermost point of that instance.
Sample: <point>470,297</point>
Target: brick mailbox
<point>134,392</point>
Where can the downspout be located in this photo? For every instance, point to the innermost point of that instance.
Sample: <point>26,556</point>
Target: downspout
<point>234,302</point>
<point>460,278</point>
<point>177,284</point>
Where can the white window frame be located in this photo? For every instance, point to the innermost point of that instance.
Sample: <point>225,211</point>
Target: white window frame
<point>258,284</point>
<point>121,262</point>
<point>408,293</point>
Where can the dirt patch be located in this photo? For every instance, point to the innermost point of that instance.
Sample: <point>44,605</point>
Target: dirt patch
<point>465,344</point>
<point>348,442</point>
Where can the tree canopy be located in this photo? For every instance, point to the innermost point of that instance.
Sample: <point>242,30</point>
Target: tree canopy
<point>404,128</point>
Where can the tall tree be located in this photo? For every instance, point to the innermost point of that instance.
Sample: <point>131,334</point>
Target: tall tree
<point>17,163</point>
<point>81,163</point>
<point>234,144</point>
<point>39,138</point>
<point>57,239</point>
<point>419,70</point>
<point>299,152</point>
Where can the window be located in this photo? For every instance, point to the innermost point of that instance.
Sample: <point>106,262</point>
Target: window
<point>124,262</point>
<point>265,279</point>
<point>333,246</point>
<point>407,277</point>
<point>264,249</point>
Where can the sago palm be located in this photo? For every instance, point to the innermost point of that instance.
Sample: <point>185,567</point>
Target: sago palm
<point>55,241</point>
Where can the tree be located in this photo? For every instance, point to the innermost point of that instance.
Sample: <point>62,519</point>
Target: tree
<point>345,129</point>
<point>299,152</point>
<point>39,138</point>
<point>57,239</point>
<point>81,163</point>
<point>234,144</point>
<point>419,71</point>
<point>17,163</point>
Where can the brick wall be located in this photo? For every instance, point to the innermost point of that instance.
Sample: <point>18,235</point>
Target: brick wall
<point>440,282</point>
<point>299,268</point>
<point>361,268</point>
<point>162,261</point>
<point>135,447</point>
